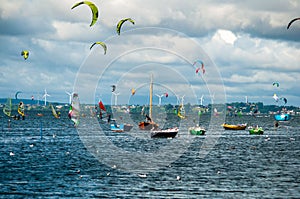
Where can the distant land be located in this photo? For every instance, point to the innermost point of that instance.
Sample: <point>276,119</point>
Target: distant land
<point>29,102</point>
<point>235,106</point>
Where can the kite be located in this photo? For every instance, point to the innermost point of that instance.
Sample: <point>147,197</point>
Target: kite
<point>119,25</point>
<point>202,66</point>
<point>113,88</point>
<point>290,23</point>
<point>275,97</point>
<point>166,95</point>
<point>132,91</point>
<point>276,84</point>
<point>93,7</point>
<point>284,99</point>
<point>16,95</point>
<point>100,43</point>
<point>25,54</point>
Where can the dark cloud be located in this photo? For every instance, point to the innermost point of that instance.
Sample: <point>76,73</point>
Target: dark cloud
<point>25,26</point>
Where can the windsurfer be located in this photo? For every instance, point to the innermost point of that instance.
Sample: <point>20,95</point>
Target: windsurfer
<point>276,124</point>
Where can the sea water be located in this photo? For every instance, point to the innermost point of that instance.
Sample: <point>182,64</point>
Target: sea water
<point>45,157</point>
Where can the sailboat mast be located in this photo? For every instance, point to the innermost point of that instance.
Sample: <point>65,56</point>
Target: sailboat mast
<point>150,96</point>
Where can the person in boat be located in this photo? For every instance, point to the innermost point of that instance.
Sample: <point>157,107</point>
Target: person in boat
<point>148,118</point>
<point>108,118</point>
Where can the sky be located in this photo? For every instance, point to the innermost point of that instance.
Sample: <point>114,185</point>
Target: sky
<point>245,46</point>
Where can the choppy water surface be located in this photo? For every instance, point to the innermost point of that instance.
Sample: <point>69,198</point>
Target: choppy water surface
<point>45,157</point>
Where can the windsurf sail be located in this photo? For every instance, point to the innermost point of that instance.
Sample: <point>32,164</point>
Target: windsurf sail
<point>74,111</point>
<point>7,107</point>
<point>102,109</point>
<point>181,112</point>
<point>21,109</point>
<point>101,106</point>
<point>55,114</point>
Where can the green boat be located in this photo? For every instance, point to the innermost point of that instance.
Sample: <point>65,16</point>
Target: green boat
<point>197,130</point>
<point>256,131</point>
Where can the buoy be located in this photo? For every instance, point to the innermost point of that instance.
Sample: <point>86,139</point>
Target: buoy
<point>178,178</point>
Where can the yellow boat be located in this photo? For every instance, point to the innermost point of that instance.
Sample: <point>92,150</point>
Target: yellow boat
<point>234,126</point>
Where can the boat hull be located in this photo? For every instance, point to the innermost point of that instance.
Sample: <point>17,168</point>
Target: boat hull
<point>282,117</point>
<point>234,127</point>
<point>197,131</point>
<point>168,133</point>
<point>254,131</point>
<point>117,128</point>
<point>127,127</point>
<point>147,126</point>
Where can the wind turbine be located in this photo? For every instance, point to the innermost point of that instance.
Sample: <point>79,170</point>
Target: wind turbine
<point>212,98</point>
<point>159,98</point>
<point>116,97</point>
<point>177,99</point>
<point>182,99</point>
<point>70,96</point>
<point>45,97</point>
<point>201,100</point>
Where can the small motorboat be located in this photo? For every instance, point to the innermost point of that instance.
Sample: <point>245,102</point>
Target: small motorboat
<point>282,117</point>
<point>234,126</point>
<point>197,130</point>
<point>164,133</point>
<point>256,131</point>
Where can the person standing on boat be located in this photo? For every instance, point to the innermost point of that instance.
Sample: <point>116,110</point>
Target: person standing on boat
<point>148,118</point>
<point>108,118</point>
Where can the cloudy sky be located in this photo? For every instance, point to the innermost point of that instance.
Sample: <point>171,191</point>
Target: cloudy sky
<point>244,45</point>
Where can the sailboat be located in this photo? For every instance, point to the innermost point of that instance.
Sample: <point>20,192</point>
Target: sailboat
<point>181,111</point>
<point>113,125</point>
<point>54,113</point>
<point>152,126</point>
<point>197,130</point>
<point>149,124</point>
<point>74,110</point>
<point>7,108</point>
<point>21,110</point>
